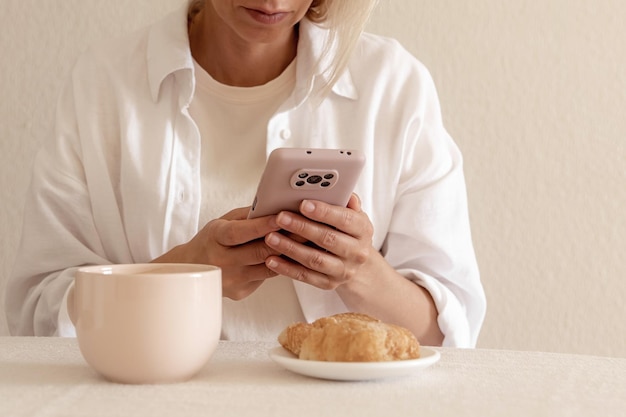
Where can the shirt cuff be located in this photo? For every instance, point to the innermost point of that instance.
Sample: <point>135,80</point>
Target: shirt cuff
<point>452,319</point>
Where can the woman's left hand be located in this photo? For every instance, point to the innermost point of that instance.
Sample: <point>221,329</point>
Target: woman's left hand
<point>326,245</point>
<point>330,247</point>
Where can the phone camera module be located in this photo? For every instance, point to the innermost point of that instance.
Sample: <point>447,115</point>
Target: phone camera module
<point>310,179</point>
<point>314,179</point>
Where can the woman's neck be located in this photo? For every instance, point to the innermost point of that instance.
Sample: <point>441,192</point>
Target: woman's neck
<point>234,61</point>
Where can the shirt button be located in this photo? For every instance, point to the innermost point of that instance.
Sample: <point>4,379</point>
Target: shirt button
<point>285,134</point>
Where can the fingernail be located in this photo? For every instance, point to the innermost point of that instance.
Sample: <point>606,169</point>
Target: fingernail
<point>272,263</point>
<point>308,206</point>
<point>272,239</point>
<point>284,219</point>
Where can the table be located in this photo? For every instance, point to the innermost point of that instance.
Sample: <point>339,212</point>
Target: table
<point>48,377</point>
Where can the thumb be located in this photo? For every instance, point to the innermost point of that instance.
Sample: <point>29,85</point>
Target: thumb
<point>355,202</point>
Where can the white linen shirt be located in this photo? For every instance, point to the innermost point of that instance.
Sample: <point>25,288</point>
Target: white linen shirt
<point>120,181</point>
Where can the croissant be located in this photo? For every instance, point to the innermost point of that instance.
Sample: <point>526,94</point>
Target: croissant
<point>349,337</point>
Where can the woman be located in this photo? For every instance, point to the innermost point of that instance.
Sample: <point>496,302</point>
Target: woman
<point>160,133</point>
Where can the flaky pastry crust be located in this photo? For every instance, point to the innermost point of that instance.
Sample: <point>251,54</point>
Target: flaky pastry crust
<point>349,337</point>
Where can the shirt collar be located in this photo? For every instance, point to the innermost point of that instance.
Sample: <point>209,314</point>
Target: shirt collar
<point>312,64</point>
<point>168,52</point>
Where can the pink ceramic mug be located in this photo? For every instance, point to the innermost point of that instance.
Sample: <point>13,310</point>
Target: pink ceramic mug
<point>147,323</point>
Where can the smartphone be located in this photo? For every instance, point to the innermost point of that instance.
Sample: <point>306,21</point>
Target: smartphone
<point>295,174</point>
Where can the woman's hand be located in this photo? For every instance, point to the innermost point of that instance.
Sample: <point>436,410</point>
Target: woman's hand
<point>327,245</point>
<point>330,247</point>
<point>236,245</point>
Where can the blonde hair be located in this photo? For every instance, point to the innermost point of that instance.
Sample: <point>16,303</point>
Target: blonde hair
<point>345,21</point>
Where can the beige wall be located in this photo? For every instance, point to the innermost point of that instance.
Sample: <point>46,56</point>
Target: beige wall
<point>532,90</point>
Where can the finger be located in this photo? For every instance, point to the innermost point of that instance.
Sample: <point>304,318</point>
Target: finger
<point>355,203</point>
<point>237,289</point>
<point>355,223</point>
<point>253,253</point>
<point>240,213</point>
<point>238,232</point>
<point>326,237</point>
<point>310,257</point>
<point>300,273</point>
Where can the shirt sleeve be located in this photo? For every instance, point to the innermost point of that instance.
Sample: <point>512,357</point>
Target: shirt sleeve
<point>58,231</point>
<point>429,239</point>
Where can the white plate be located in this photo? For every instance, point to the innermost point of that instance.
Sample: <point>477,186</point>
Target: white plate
<point>353,371</point>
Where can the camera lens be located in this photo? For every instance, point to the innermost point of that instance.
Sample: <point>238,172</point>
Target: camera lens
<point>325,184</point>
<point>303,175</point>
<point>329,176</point>
<point>314,179</point>
<point>299,183</point>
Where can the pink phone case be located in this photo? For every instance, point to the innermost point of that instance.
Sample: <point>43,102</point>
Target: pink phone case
<point>295,174</point>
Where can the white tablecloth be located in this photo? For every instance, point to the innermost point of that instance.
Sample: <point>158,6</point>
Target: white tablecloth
<point>48,377</point>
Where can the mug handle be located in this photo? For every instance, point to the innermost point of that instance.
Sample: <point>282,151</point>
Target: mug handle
<point>70,306</point>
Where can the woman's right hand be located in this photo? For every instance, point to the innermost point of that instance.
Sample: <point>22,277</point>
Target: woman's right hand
<point>234,243</point>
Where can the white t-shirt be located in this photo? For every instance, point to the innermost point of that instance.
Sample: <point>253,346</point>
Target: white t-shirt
<point>233,128</point>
